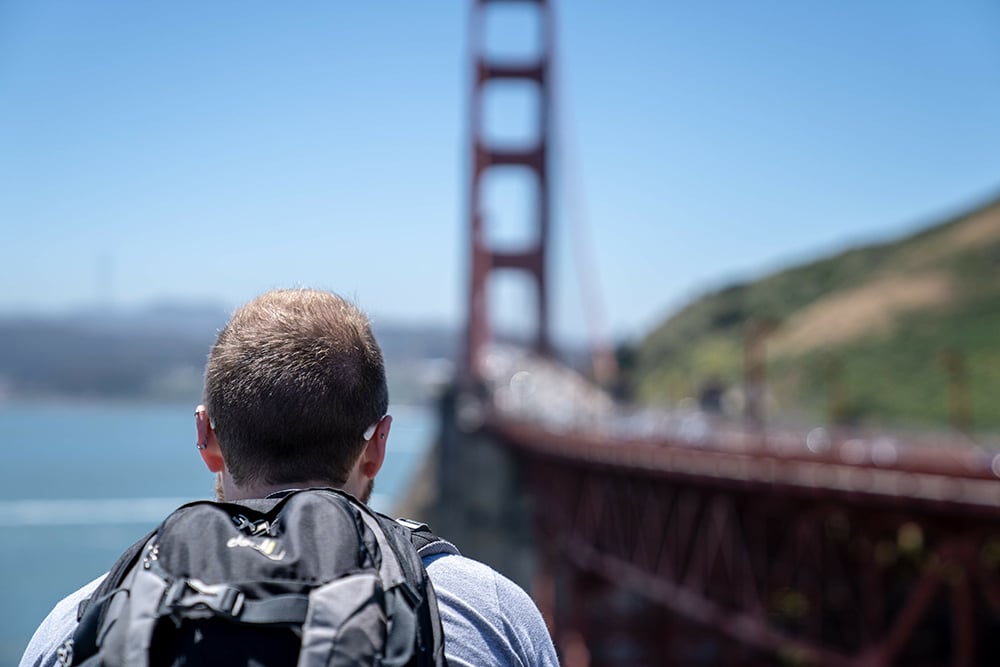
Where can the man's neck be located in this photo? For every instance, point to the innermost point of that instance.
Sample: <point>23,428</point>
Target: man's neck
<point>233,492</point>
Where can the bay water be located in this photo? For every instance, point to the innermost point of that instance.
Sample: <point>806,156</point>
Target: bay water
<point>81,482</point>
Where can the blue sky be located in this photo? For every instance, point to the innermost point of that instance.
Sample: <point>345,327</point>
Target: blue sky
<point>208,151</point>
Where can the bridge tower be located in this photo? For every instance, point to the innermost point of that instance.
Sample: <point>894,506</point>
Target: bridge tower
<point>485,156</point>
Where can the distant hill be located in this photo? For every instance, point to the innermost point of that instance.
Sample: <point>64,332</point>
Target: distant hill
<point>865,336</point>
<point>158,353</point>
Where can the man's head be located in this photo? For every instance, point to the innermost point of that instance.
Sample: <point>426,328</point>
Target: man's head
<point>292,383</point>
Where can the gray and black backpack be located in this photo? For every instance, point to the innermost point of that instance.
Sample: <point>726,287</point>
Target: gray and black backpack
<point>311,578</point>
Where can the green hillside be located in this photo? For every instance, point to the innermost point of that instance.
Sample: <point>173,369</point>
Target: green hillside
<point>866,336</point>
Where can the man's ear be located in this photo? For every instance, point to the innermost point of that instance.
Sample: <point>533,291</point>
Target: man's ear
<point>373,455</point>
<point>206,442</point>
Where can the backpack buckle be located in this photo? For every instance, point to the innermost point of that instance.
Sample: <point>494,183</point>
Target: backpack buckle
<point>190,598</point>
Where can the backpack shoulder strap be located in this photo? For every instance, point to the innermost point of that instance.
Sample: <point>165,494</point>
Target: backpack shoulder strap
<point>115,574</point>
<point>431,635</point>
<point>425,541</point>
<point>91,611</point>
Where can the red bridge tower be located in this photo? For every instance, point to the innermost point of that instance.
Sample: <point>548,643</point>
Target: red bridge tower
<point>533,158</point>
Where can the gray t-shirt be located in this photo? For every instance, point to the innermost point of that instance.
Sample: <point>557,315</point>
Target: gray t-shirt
<point>487,619</point>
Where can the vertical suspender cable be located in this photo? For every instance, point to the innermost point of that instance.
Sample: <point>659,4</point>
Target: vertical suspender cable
<point>605,366</point>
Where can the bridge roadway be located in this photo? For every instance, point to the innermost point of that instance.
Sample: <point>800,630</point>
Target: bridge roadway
<point>964,478</point>
<point>790,547</point>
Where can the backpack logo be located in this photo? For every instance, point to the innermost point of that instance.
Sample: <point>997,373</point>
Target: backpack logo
<point>266,546</point>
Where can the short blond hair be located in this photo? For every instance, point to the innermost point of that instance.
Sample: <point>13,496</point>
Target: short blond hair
<point>292,382</point>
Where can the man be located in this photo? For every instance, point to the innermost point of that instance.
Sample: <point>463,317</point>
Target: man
<point>296,397</point>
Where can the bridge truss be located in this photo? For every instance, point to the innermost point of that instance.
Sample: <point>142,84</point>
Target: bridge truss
<point>772,559</point>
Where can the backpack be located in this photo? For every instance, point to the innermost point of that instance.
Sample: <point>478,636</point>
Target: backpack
<point>310,578</point>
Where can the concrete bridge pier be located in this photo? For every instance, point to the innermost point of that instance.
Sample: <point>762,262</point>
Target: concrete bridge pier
<point>481,503</point>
